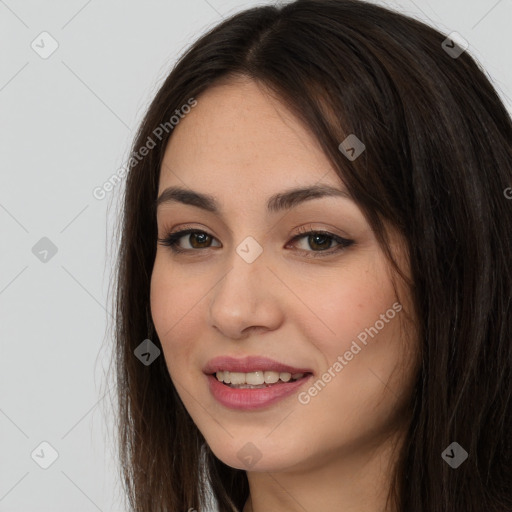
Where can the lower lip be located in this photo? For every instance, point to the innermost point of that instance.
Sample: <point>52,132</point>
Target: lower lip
<point>250,399</point>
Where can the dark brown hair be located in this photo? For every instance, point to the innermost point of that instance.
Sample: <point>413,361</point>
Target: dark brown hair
<point>437,161</point>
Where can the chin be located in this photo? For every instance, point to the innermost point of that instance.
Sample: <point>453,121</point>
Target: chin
<point>259,455</point>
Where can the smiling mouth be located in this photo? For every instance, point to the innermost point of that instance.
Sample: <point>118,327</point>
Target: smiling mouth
<point>257,379</point>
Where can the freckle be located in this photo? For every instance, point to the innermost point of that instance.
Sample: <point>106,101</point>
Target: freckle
<point>359,306</point>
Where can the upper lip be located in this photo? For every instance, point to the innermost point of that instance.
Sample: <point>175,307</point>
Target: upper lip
<point>249,364</point>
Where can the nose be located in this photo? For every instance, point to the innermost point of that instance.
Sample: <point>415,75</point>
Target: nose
<point>245,301</point>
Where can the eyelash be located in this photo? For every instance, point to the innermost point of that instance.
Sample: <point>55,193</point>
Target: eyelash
<point>172,239</point>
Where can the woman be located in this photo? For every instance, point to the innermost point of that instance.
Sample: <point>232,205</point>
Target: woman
<point>313,291</point>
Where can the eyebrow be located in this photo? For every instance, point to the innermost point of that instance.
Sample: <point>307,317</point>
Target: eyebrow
<point>281,201</point>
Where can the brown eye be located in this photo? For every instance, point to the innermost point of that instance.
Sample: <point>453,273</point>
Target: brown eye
<point>320,242</point>
<point>202,239</point>
<point>196,238</point>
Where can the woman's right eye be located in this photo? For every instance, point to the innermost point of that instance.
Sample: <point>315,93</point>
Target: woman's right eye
<point>172,240</point>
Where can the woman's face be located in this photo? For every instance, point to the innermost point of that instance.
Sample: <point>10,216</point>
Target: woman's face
<point>245,286</point>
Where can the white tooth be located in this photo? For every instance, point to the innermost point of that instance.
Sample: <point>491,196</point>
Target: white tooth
<point>254,378</point>
<point>271,377</point>
<point>237,378</point>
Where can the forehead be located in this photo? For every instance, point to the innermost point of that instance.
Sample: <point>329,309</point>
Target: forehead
<point>239,138</point>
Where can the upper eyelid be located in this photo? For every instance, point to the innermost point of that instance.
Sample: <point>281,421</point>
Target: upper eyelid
<point>303,231</point>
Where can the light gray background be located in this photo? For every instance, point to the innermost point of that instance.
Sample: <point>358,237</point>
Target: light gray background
<point>66,123</point>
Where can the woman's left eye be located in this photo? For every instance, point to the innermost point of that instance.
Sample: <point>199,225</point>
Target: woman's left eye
<point>198,239</point>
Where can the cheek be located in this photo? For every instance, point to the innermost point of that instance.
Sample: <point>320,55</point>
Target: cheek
<point>361,343</point>
<point>174,313</point>
<point>162,295</point>
<point>348,306</point>
<point>363,352</point>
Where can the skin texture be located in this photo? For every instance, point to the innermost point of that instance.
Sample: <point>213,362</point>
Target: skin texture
<point>334,453</point>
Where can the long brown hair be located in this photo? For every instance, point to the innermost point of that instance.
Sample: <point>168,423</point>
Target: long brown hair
<point>437,161</point>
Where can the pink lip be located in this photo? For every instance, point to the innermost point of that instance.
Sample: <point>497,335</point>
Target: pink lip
<point>249,399</point>
<point>249,364</point>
